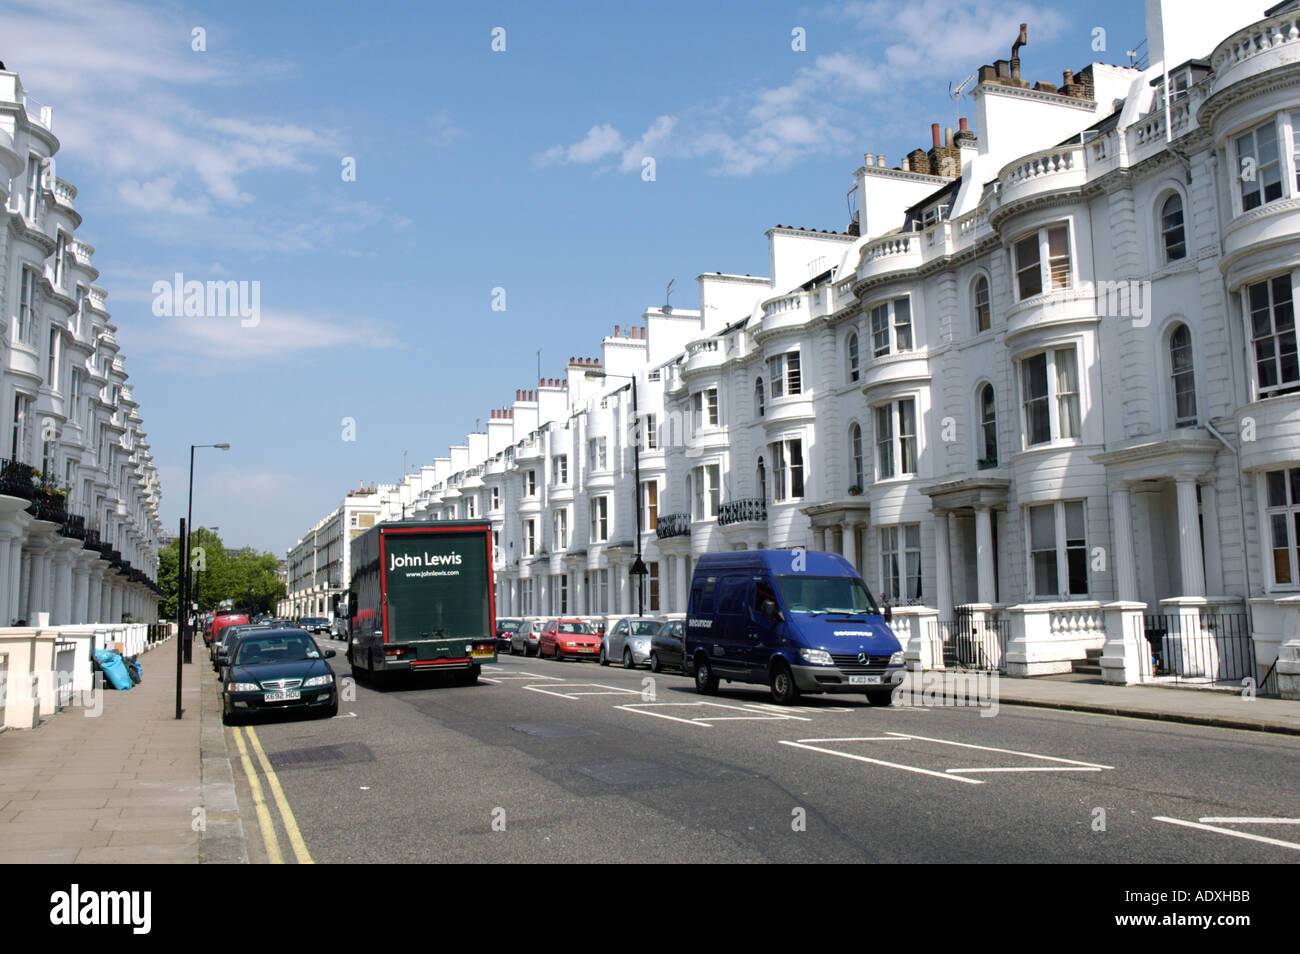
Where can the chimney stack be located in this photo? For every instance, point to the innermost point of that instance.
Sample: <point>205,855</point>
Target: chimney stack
<point>934,133</point>
<point>616,331</point>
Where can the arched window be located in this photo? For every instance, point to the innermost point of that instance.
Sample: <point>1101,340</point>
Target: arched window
<point>988,429</point>
<point>855,454</point>
<point>1171,228</point>
<point>1180,362</point>
<point>855,367</point>
<point>983,312</point>
<point>761,480</point>
<point>758,396</point>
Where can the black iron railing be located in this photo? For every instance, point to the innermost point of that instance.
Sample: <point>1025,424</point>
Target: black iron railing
<point>972,644</point>
<point>74,526</point>
<point>17,479</point>
<point>1205,648</point>
<point>91,540</point>
<point>48,505</point>
<point>673,525</point>
<point>744,510</point>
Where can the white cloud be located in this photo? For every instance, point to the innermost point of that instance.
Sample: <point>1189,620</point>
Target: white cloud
<point>822,105</point>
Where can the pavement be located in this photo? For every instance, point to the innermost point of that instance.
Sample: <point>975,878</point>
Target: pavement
<point>117,779</point>
<point>121,780</point>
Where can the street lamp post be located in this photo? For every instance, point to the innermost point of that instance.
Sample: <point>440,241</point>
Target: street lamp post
<point>187,630</point>
<point>638,569</point>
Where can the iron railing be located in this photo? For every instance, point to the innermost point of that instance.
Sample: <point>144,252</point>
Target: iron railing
<point>744,510</point>
<point>1205,649</point>
<point>673,525</point>
<point>17,479</point>
<point>971,644</point>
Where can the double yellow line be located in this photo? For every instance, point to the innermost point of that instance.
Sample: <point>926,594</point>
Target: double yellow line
<point>264,820</point>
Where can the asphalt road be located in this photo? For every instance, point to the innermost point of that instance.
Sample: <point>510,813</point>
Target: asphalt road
<point>574,762</point>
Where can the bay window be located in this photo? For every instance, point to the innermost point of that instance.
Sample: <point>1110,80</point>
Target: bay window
<point>783,371</point>
<point>896,439</point>
<point>1058,549</point>
<point>1050,396</point>
<point>1259,168</point>
<point>705,405</point>
<point>560,469</point>
<point>1282,518</point>
<point>788,469</point>
<point>706,482</point>
<point>560,528</point>
<point>891,327</point>
<point>1273,335</point>
<point>1042,260</point>
<point>900,563</point>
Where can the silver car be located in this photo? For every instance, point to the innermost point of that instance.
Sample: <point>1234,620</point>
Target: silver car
<point>629,641</point>
<point>526,638</point>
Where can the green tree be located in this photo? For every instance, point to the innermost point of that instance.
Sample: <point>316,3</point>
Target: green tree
<point>247,578</point>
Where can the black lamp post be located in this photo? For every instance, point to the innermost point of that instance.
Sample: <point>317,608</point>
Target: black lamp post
<point>638,569</point>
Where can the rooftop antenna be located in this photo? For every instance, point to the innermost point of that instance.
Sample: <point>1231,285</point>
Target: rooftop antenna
<point>956,93</point>
<point>668,296</point>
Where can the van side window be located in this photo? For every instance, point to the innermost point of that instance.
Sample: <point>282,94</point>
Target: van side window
<point>702,597</point>
<point>762,591</point>
<point>731,596</point>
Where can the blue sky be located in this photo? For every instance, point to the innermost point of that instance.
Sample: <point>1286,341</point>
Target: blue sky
<point>475,169</point>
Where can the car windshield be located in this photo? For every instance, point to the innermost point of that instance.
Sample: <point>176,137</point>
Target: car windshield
<point>581,628</point>
<point>644,627</point>
<point>278,649</point>
<point>507,627</point>
<point>826,594</point>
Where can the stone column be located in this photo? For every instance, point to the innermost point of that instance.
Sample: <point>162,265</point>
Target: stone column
<point>63,562</point>
<point>115,606</point>
<point>1189,539</point>
<point>623,603</point>
<point>1213,548</point>
<point>6,592</point>
<point>942,565</point>
<point>850,544</point>
<point>1123,558</point>
<point>682,594</point>
<point>986,586</point>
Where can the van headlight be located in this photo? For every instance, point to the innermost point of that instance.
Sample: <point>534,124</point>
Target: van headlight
<point>897,659</point>
<point>818,657</point>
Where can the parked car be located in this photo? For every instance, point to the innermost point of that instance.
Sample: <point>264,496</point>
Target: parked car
<point>317,625</point>
<point>527,637</point>
<point>222,620</point>
<point>667,646</point>
<point>628,641</point>
<point>568,637</point>
<point>753,620</point>
<point>223,648</point>
<point>506,626</point>
<point>278,670</point>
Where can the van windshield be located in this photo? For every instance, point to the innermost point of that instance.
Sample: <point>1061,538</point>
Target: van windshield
<point>826,594</point>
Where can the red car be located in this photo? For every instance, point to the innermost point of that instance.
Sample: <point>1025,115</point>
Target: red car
<point>221,621</point>
<point>568,637</point>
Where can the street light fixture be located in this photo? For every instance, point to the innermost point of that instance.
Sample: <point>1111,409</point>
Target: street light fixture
<point>185,644</point>
<point>638,568</point>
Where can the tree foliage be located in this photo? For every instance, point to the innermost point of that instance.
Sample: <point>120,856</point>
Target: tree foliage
<point>246,577</point>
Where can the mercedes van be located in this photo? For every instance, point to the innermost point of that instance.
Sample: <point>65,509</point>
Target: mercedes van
<point>794,620</point>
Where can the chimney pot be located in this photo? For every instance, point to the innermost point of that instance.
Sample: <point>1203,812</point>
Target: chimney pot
<point>519,395</point>
<point>881,160</point>
<point>1067,78</point>
<point>947,137</point>
<point>905,166</point>
<point>616,331</point>
<point>961,124</point>
<point>934,133</point>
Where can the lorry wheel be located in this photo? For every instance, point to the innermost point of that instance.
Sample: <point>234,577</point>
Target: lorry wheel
<point>705,681</point>
<point>784,690</point>
<point>470,678</point>
<point>879,698</point>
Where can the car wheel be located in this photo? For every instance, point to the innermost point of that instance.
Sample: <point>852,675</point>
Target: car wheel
<point>654,663</point>
<point>784,690</point>
<point>627,659</point>
<point>229,718</point>
<point>333,710</point>
<point>604,660</point>
<point>705,681</point>
<point>881,698</point>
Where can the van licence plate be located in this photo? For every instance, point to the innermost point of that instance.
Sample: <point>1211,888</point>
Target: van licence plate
<point>864,680</point>
<point>286,696</point>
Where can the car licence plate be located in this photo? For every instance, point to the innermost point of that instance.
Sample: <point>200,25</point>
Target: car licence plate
<point>585,649</point>
<point>287,696</point>
<point>864,680</point>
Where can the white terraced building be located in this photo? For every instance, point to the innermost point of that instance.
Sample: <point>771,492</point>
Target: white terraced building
<point>318,566</point>
<point>1044,386</point>
<point>79,493</point>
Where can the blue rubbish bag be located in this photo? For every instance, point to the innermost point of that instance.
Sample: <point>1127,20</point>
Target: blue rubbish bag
<point>114,668</point>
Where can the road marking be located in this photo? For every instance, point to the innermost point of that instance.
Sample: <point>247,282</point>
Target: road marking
<point>1228,831</point>
<point>269,840</point>
<point>553,690</point>
<point>957,774</point>
<point>350,715</point>
<point>1251,821</point>
<point>905,768</point>
<point>770,707</point>
<point>751,715</point>
<point>989,748</point>
<point>286,813</point>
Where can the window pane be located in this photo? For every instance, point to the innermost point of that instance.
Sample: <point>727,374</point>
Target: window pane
<point>1171,227</point>
<point>1042,528</point>
<point>796,468</point>
<point>1067,392</point>
<point>1058,256</point>
<point>907,435</point>
<point>983,314</point>
<point>880,330</point>
<point>1281,550</point>
<point>884,442</point>
<point>1276,480</point>
<point>903,324</point>
<point>1074,524</point>
<point>1037,415</point>
<point>1028,276</point>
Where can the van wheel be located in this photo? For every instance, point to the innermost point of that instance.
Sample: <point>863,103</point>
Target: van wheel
<point>784,690</point>
<point>878,698</point>
<point>705,681</point>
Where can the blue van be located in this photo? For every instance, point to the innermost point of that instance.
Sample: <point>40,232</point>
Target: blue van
<point>794,620</point>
